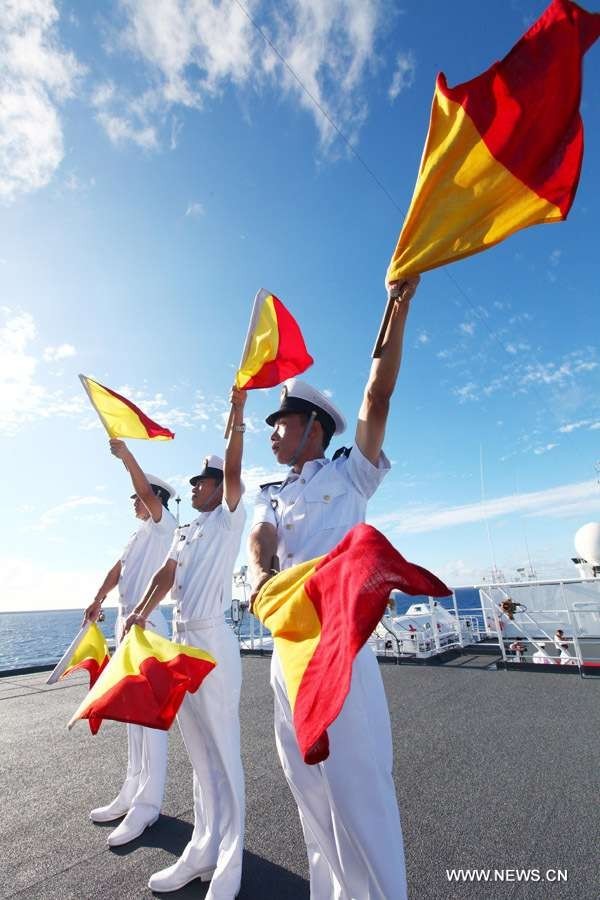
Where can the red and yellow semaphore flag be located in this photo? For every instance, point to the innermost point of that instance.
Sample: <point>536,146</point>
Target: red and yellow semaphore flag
<point>91,654</point>
<point>275,349</point>
<point>322,612</point>
<point>145,682</point>
<point>121,417</point>
<point>504,150</point>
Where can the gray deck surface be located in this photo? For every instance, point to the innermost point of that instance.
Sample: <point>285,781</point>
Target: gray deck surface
<point>493,770</point>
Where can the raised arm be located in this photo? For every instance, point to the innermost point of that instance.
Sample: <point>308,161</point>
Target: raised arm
<point>160,586</point>
<point>232,467</point>
<point>140,483</point>
<point>111,581</point>
<point>373,414</point>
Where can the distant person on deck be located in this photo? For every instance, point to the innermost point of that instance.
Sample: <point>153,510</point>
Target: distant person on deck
<point>518,648</point>
<point>347,804</point>
<point>540,656</point>
<point>559,640</point>
<point>141,795</point>
<point>562,645</point>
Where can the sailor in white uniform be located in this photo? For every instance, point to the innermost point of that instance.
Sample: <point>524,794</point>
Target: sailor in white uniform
<point>347,804</point>
<point>141,796</point>
<point>199,573</point>
<point>540,657</point>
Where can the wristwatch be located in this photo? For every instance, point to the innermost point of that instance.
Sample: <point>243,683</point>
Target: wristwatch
<point>241,428</point>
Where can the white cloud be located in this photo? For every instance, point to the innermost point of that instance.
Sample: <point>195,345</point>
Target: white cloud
<point>50,518</point>
<point>552,373</point>
<point>404,74</point>
<point>423,338</point>
<point>468,328</point>
<point>555,257</point>
<point>22,397</point>
<point>120,130</point>
<point>563,501</point>
<point>539,450</point>
<point>467,392</point>
<point>28,584</point>
<point>193,50</point>
<point>37,77</point>
<point>573,426</point>
<point>52,354</point>
<point>254,476</point>
<point>195,210</point>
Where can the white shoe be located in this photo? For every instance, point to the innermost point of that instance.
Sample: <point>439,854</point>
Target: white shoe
<point>178,875</point>
<point>115,810</point>
<point>134,824</point>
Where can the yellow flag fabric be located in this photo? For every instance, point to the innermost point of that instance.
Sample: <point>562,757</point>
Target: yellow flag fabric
<point>121,417</point>
<point>91,654</point>
<point>464,200</point>
<point>504,150</point>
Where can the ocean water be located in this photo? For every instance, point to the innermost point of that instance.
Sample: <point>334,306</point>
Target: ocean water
<point>41,637</point>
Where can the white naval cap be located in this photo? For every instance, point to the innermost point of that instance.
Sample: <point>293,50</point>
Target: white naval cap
<point>212,467</point>
<point>299,397</point>
<point>155,481</point>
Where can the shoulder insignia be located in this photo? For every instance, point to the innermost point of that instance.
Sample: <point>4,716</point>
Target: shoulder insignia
<point>271,484</point>
<point>341,451</point>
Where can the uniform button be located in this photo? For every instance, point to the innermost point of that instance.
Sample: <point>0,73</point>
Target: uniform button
<point>303,481</point>
<point>289,556</point>
<point>179,587</point>
<point>326,498</point>
<point>289,526</point>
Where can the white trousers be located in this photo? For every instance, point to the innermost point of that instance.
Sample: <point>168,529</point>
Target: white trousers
<point>210,724</point>
<point>347,804</point>
<point>147,750</point>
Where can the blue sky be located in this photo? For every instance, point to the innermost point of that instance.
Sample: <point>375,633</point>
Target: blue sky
<point>159,164</point>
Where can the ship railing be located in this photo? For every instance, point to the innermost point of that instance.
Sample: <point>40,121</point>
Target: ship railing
<point>580,617</point>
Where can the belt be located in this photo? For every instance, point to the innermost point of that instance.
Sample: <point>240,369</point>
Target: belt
<point>197,624</point>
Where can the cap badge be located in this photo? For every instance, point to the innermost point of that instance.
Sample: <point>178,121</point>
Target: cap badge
<point>283,394</point>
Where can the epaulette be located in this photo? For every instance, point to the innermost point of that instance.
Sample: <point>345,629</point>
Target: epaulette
<point>341,451</point>
<point>271,484</point>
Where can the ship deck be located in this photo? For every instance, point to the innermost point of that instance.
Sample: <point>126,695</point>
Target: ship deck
<point>493,769</point>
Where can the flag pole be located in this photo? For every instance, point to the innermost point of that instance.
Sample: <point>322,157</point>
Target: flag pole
<point>66,657</point>
<point>251,325</point>
<point>395,294</point>
<point>83,380</point>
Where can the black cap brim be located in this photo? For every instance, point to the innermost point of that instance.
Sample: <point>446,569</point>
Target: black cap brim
<point>207,472</point>
<point>299,405</point>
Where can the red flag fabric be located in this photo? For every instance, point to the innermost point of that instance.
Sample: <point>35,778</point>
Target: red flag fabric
<point>322,612</point>
<point>504,150</point>
<point>275,348</point>
<point>145,682</point>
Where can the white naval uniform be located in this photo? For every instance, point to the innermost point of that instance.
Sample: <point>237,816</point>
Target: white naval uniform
<point>347,804</point>
<point>205,553</point>
<point>145,553</point>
